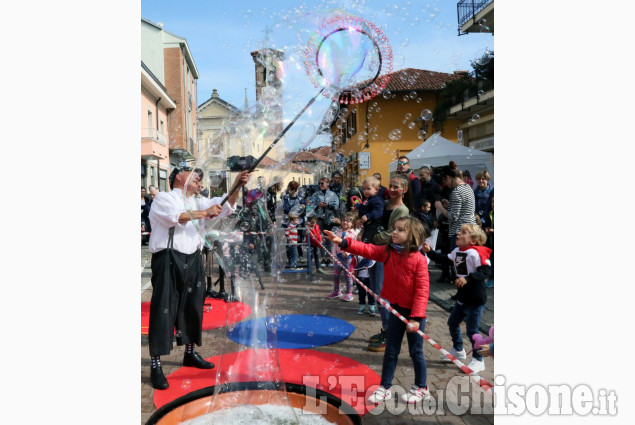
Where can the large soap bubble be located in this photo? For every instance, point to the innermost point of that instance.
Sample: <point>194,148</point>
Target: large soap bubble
<point>348,61</point>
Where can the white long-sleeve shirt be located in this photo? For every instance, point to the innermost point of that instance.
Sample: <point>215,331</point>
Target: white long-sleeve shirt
<point>164,213</point>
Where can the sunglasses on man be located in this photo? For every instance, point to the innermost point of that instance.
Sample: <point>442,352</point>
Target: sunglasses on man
<point>402,162</point>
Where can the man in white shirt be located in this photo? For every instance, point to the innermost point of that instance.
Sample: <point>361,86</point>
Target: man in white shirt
<point>178,278</point>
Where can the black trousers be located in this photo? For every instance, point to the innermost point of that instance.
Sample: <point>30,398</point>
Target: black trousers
<point>178,295</point>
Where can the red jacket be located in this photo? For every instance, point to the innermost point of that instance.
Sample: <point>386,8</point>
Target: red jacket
<point>406,280</point>
<point>316,234</point>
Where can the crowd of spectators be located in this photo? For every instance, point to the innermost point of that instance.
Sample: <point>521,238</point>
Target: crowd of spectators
<point>455,211</point>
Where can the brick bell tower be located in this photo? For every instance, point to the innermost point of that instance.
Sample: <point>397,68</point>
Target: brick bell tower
<point>267,63</point>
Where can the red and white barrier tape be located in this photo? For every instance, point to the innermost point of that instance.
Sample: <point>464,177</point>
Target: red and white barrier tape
<point>473,375</point>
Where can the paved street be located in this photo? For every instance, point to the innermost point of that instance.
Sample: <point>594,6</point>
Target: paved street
<point>295,290</point>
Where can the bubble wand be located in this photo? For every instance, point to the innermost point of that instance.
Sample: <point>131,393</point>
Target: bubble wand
<point>253,167</point>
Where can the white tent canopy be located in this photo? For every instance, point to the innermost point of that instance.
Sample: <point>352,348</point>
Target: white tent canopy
<point>437,152</point>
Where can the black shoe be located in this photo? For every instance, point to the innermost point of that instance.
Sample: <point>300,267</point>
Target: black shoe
<point>213,294</point>
<point>158,379</point>
<point>193,359</point>
<point>378,337</point>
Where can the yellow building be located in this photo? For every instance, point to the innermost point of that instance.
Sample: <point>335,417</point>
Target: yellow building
<point>390,124</point>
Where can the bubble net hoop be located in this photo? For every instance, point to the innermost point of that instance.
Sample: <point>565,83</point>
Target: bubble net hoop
<point>362,91</point>
<point>484,384</point>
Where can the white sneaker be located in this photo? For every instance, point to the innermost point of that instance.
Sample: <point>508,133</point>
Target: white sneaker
<point>460,355</point>
<point>477,365</point>
<point>380,395</point>
<point>415,395</point>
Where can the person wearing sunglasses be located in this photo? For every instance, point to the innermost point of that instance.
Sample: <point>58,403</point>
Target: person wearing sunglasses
<point>414,187</point>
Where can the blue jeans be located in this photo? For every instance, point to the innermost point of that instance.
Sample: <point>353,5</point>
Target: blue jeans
<point>376,284</point>
<point>315,252</point>
<point>394,336</point>
<point>292,253</point>
<point>471,315</point>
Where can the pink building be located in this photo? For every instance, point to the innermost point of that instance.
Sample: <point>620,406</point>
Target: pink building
<point>168,103</point>
<point>156,106</point>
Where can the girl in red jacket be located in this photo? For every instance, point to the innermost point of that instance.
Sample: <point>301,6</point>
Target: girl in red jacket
<point>406,288</point>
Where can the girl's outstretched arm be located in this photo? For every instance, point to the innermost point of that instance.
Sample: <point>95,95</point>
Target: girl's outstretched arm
<point>333,237</point>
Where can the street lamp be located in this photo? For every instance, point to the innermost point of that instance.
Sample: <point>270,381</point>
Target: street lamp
<point>423,126</point>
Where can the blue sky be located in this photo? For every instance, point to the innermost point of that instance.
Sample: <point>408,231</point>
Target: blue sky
<point>221,34</point>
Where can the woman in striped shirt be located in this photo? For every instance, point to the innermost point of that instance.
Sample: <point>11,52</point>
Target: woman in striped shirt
<point>462,204</point>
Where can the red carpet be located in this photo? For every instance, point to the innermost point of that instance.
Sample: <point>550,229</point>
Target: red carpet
<point>212,319</point>
<point>333,371</point>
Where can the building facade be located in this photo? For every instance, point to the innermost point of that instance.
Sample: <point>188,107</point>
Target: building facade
<point>156,106</point>
<point>167,57</point>
<point>477,17</point>
<point>374,133</point>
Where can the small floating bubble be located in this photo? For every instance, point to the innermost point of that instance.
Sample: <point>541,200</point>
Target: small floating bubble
<point>426,115</point>
<point>395,134</point>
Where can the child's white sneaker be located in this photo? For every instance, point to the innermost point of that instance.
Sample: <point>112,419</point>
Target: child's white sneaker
<point>416,394</point>
<point>477,365</point>
<point>460,355</point>
<point>380,395</point>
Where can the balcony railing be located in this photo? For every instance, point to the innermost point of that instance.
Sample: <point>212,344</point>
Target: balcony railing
<point>467,9</point>
<point>472,92</point>
<point>154,134</point>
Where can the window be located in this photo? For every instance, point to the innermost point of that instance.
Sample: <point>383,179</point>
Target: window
<point>352,123</point>
<point>162,132</point>
<point>343,135</point>
<point>163,177</point>
<point>149,118</point>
